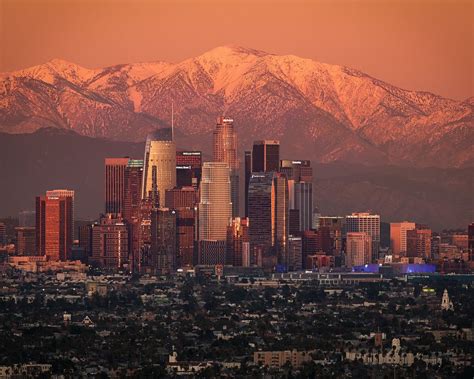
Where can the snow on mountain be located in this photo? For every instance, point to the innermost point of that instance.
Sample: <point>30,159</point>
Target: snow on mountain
<point>321,111</point>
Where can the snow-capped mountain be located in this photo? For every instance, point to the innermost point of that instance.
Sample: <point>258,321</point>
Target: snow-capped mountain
<point>319,111</point>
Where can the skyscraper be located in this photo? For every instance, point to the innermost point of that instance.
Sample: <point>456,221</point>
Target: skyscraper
<point>188,168</point>
<point>54,224</point>
<point>109,243</point>
<point>336,227</point>
<point>225,150</point>
<point>159,173</point>
<point>268,214</point>
<point>358,248</point>
<point>184,197</point>
<point>25,240</point>
<point>248,174</point>
<point>163,240</point>
<point>132,209</point>
<point>398,237</point>
<point>418,242</point>
<point>115,184</point>
<point>237,235</point>
<point>266,156</point>
<point>133,177</point>
<point>368,223</point>
<point>300,176</point>
<point>215,208</point>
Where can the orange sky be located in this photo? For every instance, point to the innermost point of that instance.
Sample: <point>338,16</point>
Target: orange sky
<point>422,45</point>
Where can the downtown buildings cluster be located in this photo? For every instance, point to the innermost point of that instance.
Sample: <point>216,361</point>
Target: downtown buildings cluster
<point>173,211</point>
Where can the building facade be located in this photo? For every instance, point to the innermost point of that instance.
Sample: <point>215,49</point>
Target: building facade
<point>54,224</point>
<point>159,173</point>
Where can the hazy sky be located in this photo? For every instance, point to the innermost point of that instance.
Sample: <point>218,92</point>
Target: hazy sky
<point>422,45</point>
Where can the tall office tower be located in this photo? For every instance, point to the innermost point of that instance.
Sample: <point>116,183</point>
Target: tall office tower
<point>470,238</point>
<point>54,224</point>
<point>26,218</point>
<point>188,168</point>
<point>163,240</point>
<point>266,156</point>
<point>269,217</point>
<point>336,226</point>
<point>303,201</point>
<point>419,242</point>
<point>115,184</point>
<point>295,253</point>
<point>159,173</point>
<point>65,193</point>
<point>225,150</point>
<point>248,174</point>
<point>109,243</point>
<point>237,235</point>
<point>297,170</point>
<point>132,209</point>
<point>316,216</point>
<point>300,184</point>
<point>25,240</point>
<point>183,197</point>
<point>215,212</point>
<point>325,240</point>
<point>368,223</point>
<point>133,177</point>
<point>398,237</point>
<point>358,248</point>
<point>85,239</point>
<point>294,222</point>
<point>183,201</point>
<point>3,234</point>
<point>186,236</point>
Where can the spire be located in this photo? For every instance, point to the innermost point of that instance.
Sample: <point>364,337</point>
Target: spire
<point>172,121</point>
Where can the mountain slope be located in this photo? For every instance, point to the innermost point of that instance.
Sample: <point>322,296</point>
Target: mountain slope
<point>323,112</point>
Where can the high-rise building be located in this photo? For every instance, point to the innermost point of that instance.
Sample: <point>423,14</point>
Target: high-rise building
<point>297,170</point>
<point>336,226</point>
<point>159,173</point>
<point>214,211</point>
<point>266,156</point>
<point>303,201</point>
<point>115,184</point>
<point>26,218</point>
<point>132,209</point>
<point>3,234</point>
<point>358,248</point>
<point>54,224</point>
<point>109,243</point>
<point>419,242</point>
<point>133,177</point>
<point>248,174</point>
<point>398,237</point>
<point>237,235</point>
<point>269,216</point>
<point>25,240</point>
<point>368,223</point>
<point>295,253</point>
<point>188,169</point>
<point>225,150</point>
<point>300,186</point>
<point>163,240</point>
<point>470,240</point>
<point>183,197</point>
<point>85,239</point>
<point>186,236</point>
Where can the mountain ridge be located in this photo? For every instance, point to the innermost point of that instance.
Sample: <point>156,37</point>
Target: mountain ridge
<point>324,112</point>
